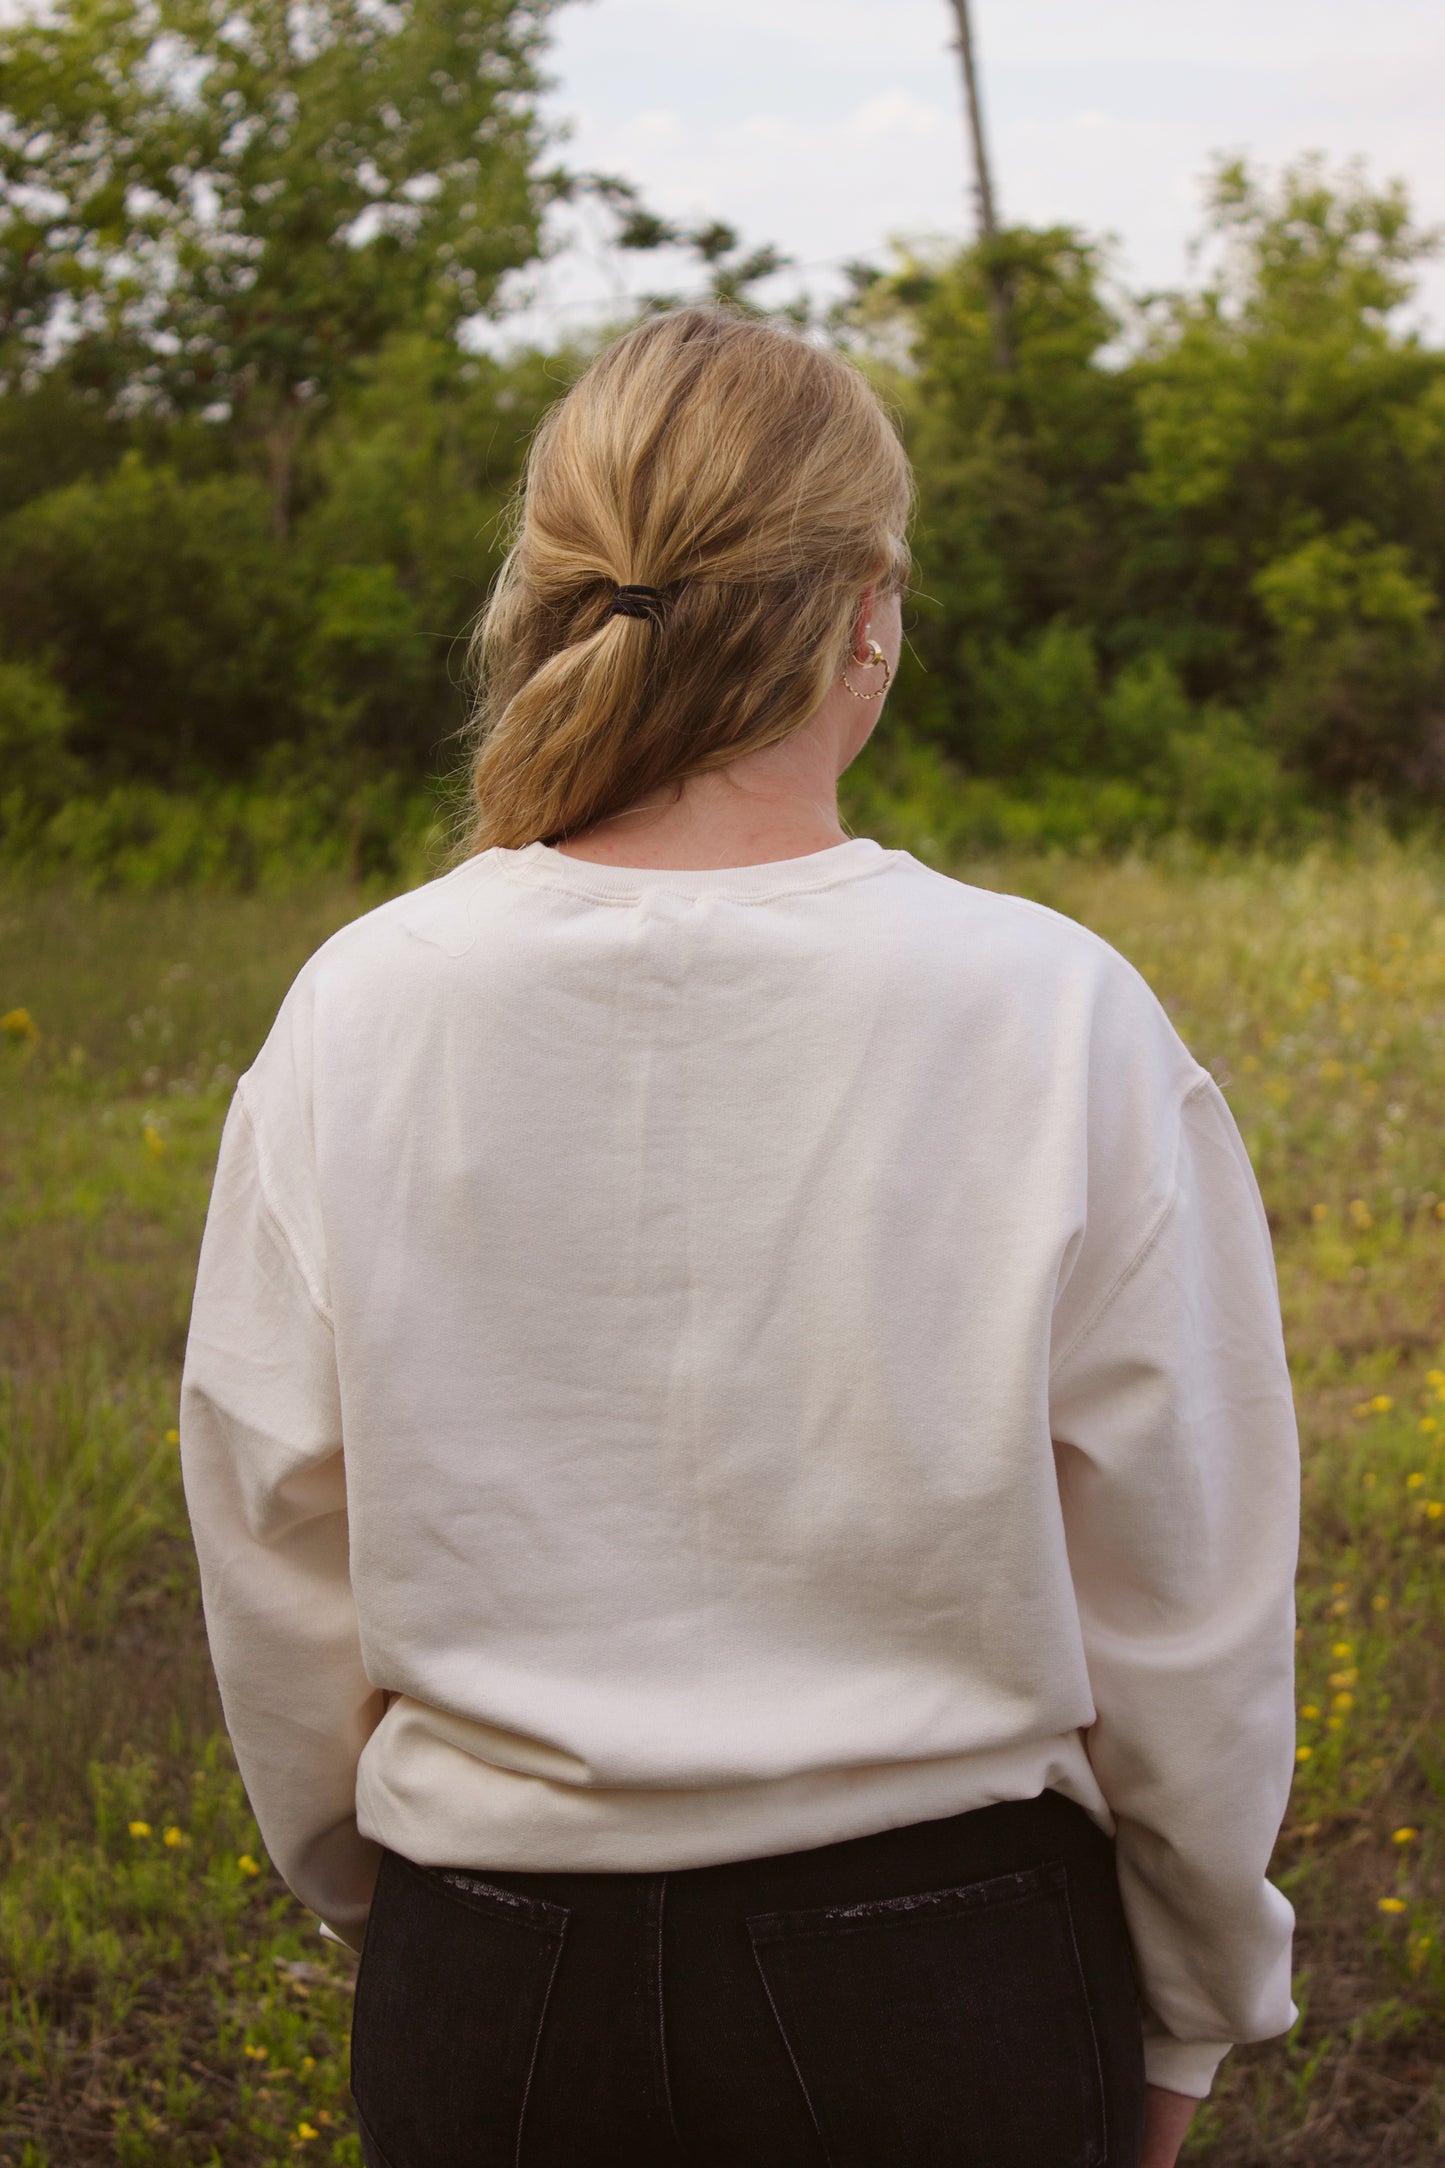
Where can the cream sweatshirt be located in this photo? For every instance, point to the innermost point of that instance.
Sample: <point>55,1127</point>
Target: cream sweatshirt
<point>688,1366</point>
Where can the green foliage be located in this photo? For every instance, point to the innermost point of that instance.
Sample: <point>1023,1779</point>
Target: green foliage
<point>158,1966</point>
<point>163,609</point>
<point>1236,490</point>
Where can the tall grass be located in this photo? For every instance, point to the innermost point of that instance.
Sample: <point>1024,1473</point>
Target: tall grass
<point>161,2003</point>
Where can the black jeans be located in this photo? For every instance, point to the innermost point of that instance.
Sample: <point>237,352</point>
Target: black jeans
<point>958,1992</point>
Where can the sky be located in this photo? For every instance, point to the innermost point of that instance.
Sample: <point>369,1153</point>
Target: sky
<point>829,126</point>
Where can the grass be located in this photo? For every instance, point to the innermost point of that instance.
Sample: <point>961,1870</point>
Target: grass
<point>163,2001</point>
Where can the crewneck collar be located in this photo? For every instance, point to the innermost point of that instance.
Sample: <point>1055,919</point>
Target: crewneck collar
<point>540,866</point>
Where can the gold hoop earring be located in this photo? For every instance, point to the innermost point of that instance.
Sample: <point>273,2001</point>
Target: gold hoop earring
<point>875,656</point>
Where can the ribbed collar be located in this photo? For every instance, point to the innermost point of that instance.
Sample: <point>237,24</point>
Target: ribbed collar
<point>540,866</point>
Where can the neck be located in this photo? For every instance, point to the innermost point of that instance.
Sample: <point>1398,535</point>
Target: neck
<point>780,802</point>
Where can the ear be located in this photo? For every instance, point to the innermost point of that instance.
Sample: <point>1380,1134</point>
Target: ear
<point>858,646</point>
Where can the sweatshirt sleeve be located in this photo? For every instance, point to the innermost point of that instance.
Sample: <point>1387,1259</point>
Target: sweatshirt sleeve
<point>264,1475</point>
<point>1174,1429</point>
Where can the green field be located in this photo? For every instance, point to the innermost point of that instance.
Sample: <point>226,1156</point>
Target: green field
<point>164,2000</point>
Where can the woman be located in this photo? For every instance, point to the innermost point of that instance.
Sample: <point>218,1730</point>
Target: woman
<point>735,1420</point>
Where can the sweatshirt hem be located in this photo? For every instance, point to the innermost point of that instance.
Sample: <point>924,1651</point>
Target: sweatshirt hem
<point>444,1808</point>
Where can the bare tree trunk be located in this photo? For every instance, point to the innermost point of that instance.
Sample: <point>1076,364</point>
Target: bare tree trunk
<point>997,277</point>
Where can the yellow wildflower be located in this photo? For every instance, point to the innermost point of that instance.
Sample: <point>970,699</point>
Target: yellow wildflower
<point>173,1836</point>
<point>1319,1211</point>
<point>1343,1702</point>
<point>173,1437</point>
<point>1415,1481</point>
<point>257,2055</point>
<point>1382,1403</point>
<point>1345,1678</point>
<point>1403,1836</point>
<point>1440,1209</point>
<point>1392,1904</point>
<point>1339,1588</point>
<point>1309,1709</point>
<point>1429,1425</point>
<point>155,1143</point>
<point>1379,1603</point>
<point>1303,1753</point>
<point>1435,1377</point>
<point>139,1829</point>
<point>1434,1508</point>
<point>1334,1723</point>
<point>1342,1648</point>
<point>19,1024</point>
<point>306,2130</point>
<point>247,1865</point>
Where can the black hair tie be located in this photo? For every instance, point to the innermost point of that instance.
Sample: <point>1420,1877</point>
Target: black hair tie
<point>647,602</point>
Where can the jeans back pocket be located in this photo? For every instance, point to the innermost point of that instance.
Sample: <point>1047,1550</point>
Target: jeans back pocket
<point>950,2029</point>
<point>451,1994</point>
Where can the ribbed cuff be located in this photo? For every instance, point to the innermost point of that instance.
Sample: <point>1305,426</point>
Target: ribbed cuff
<point>1184,2066</point>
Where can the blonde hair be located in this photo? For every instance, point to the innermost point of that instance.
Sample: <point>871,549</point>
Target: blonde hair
<point>754,479</point>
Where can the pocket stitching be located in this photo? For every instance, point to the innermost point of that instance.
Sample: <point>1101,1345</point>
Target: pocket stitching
<point>537,2037</point>
<point>503,1904</point>
<point>792,2058</point>
<point>1101,2159</point>
<point>802,1926</point>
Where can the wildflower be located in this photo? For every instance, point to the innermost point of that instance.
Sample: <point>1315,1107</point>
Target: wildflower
<point>1403,1836</point>
<point>1342,1648</point>
<point>1334,1723</point>
<point>1319,1211</point>
<point>1429,1425</point>
<point>257,2055</point>
<point>1368,1479</point>
<point>1343,1702</point>
<point>1419,1947</point>
<point>305,2131</point>
<point>1361,1407</point>
<point>308,2062</point>
<point>1345,1678</point>
<point>155,1143</point>
<point>1339,1588</point>
<point>20,1025</point>
<point>1435,1377</point>
<point>1339,1607</point>
<point>1309,1709</point>
<point>1434,1508</point>
<point>1303,1753</point>
<point>1379,1603</point>
<point>1391,1904</point>
<point>173,1836</point>
<point>139,1829</point>
<point>173,1437</point>
<point>1415,1481</point>
<point>1382,1403</point>
<point>247,1865</point>
<point>1440,1209</point>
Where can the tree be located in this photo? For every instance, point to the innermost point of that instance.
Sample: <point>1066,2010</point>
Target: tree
<point>226,205</point>
<point>995,269</point>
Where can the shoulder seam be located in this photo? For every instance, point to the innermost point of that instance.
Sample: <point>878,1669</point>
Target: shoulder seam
<point>277,1217</point>
<point>1151,1236</point>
